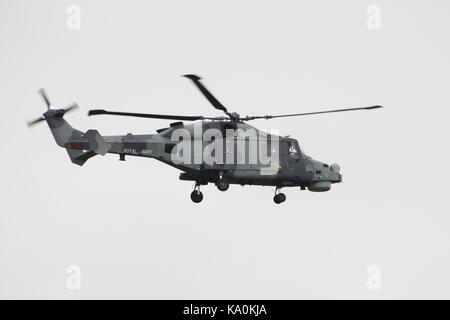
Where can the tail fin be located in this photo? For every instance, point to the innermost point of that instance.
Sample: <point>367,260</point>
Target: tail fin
<point>80,146</point>
<point>62,131</point>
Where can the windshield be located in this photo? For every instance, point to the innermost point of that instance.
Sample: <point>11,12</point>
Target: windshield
<point>304,155</point>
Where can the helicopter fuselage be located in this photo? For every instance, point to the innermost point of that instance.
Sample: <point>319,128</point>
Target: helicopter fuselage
<point>285,165</point>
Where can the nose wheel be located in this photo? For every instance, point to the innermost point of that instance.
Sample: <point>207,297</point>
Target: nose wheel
<point>222,185</point>
<point>279,197</point>
<point>196,195</point>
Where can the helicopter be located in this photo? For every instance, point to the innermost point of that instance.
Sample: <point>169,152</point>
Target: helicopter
<point>221,150</point>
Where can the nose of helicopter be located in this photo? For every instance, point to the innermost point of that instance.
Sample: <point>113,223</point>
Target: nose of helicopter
<point>324,175</point>
<point>335,173</point>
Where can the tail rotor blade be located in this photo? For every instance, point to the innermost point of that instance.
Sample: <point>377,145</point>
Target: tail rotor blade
<point>45,97</point>
<point>36,121</point>
<point>58,112</point>
<point>71,107</point>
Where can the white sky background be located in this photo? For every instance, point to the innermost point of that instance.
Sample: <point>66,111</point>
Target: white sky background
<point>131,226</point>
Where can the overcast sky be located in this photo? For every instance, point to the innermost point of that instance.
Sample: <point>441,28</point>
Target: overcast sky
<point>131,228</point>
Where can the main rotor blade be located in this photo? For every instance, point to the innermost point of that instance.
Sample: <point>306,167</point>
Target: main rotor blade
<point>45,97</point>
<point>308,113</point>
<point>146,115</point>
<point>33,122</point>
<point>216,104</point>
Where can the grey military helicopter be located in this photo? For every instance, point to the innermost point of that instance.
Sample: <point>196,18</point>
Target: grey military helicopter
<point>292,168</point>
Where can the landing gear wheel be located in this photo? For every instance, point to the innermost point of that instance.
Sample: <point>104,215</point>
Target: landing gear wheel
<point>196,196</point>
<point>222,185</point>
<point>279,198</point>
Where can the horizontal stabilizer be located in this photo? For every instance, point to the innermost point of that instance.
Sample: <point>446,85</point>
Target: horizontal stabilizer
<point>79,157</point>
<point>97,145</point>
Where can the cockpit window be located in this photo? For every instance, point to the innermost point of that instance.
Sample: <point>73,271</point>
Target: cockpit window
<point>293,150</point>
<point>304,155</point>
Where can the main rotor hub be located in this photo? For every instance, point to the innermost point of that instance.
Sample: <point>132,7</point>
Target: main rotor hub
<point>234,116</point>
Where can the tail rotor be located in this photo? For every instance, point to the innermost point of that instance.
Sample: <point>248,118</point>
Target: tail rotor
<point>51,112</point>
<point>44,96</point>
